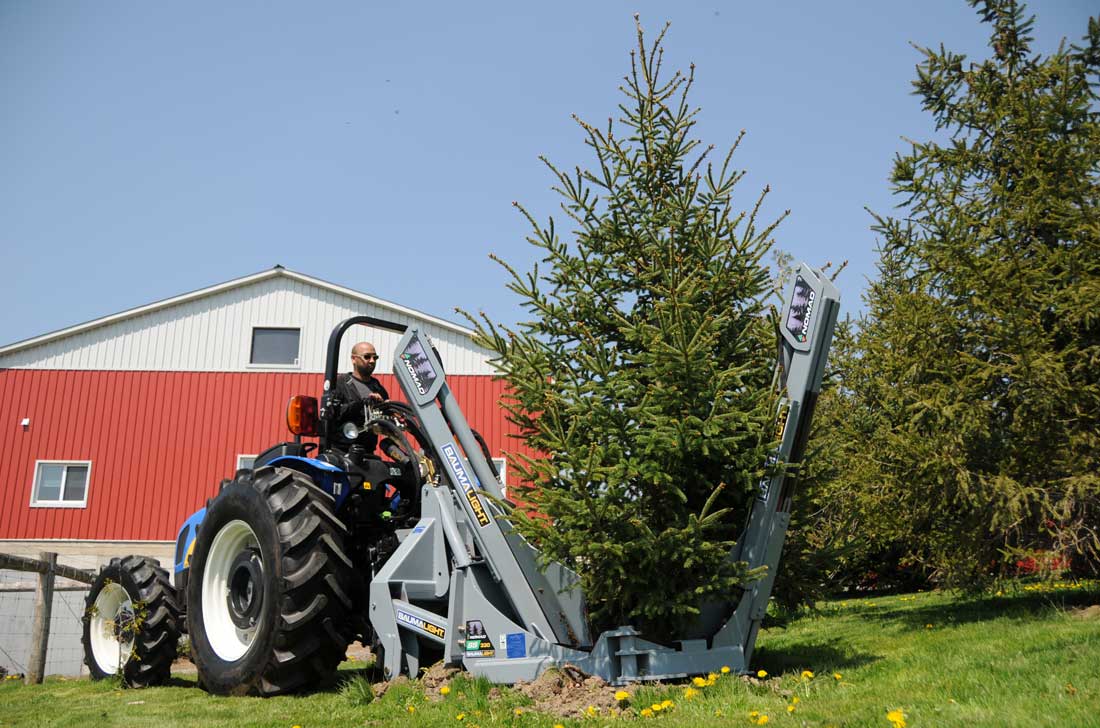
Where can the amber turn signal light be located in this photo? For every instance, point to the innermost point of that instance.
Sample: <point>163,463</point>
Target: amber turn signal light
<point>301,415</point>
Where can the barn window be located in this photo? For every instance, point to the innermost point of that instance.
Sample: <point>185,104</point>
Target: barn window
<point>245,462</point>
<point>61,484</point>
<point>275,346</point>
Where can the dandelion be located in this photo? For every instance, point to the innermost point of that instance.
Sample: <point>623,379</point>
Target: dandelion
<point>897,718</point>
<point>761,674</point>
<point>656,708</point>
<point>558,725</point>
<point>666,704</point>
<point>591,711</point>
<point>622,695</point>
<point>928,626</point>
<point>795,700</point>
<point>754,715</point>
<point>698,682</point>
<point>790,708</point>
<point>411,709</point>
<point>762,720</point>
<point>717,713</point>
<point>460,717</point>
<point>519,711</point>
<point>690,693</point>
<point>837,676</point>
<point>725,669</point>
<point>445,690</point>
<point>647,713</point>
<point>807,675</point>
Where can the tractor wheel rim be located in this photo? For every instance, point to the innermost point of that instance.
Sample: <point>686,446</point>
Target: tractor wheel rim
<point>228,640</point>
<point>111,628</point>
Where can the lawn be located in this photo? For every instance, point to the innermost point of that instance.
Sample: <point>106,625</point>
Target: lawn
<point>1026,657</point>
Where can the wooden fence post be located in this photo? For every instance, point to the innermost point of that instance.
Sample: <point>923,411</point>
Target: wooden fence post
<point>43,607</point>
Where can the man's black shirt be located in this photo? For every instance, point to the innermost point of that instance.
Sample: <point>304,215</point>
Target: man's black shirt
<point>354,393</point>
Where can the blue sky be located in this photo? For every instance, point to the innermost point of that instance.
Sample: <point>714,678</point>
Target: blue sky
<point>149,149</point>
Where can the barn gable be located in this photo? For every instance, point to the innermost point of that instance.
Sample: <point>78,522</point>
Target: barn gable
<point>211,330</point>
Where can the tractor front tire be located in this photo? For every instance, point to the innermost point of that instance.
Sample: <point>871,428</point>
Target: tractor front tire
<point>131,622</point>
<point>269,596</point>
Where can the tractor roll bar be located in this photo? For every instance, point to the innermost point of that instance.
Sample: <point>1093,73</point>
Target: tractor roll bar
<point>333,355</point>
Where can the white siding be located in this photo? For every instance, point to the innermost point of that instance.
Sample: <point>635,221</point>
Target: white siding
<point>214,333</point>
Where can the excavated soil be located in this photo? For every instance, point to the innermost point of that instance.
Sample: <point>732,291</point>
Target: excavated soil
<point>568,693</point>
<point>1092,612</point>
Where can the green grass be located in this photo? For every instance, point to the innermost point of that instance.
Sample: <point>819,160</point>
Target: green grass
<point>1020,659</point>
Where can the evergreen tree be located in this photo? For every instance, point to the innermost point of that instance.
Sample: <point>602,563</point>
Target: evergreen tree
<point>977,388</point>
<point>642,376</point>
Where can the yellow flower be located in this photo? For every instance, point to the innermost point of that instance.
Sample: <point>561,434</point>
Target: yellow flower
<point>410,708</point>
<point>762,720</point>
<point>754,714</point>
<point>718,714</point>
<point>558,725</point>
<point>761,674</point>
<point>837,676</point>
<point>897,718</point>
<point>690,693</point>
<point>795,700</point>
<point>790,708</point>
<point>622,695</point>
<point>519,711</point>
<point>928,626</point>
<point>446,689</point>
<point>807,675</point>
<point>647,713</point>
<point>666,704</point>
<point>591,711</point>
<point>699,682</point>
<point>460,717</point>
<point>725,669</point>
<point>656,707</point>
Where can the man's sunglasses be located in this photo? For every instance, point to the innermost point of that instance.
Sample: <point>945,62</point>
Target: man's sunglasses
<point>368,357</point>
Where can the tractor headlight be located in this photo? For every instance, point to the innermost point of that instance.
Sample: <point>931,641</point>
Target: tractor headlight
<point>350,430</point>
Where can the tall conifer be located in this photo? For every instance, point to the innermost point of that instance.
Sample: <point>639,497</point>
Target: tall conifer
<point>642,374</point>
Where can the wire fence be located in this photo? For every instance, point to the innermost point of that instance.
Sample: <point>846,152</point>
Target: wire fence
<point>20,592</point>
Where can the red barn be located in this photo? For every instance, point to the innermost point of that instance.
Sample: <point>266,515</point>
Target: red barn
<point>117,429</point>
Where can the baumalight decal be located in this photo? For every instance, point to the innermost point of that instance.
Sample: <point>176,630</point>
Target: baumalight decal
<point>422,624</point>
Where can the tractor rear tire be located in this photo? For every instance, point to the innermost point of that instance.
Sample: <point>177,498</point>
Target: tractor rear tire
<point>269,596</point>
<point>131,621</point>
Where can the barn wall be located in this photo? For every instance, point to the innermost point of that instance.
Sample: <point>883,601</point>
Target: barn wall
<point>159,442</point>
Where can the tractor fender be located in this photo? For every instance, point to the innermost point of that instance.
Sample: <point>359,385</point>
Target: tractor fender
<point>185,541</point>
<point>325,476</point>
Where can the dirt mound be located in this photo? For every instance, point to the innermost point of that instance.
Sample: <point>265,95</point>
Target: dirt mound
<point>356,652</point>
<point>1092,612</point>
<point>436,677</point>
<point>569,693</point>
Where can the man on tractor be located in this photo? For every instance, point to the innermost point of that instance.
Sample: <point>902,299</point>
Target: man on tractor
<point>359,389</point>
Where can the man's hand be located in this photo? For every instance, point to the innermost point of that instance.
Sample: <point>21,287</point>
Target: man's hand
<point>375,397</point>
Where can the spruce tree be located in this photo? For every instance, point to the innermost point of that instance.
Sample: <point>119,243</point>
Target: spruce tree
<point>642,373</point>
<point>979,370</point>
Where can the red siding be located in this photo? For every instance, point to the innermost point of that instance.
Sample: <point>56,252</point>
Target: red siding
<point>159,442</point>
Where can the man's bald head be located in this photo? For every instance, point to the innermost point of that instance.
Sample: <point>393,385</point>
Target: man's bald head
<point>363,359</point>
